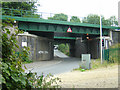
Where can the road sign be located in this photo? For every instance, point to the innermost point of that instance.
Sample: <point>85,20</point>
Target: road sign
<point>69,30</point>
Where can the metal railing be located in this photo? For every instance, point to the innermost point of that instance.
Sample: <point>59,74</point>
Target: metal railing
<point>29,13</point>
<point>32,14</point>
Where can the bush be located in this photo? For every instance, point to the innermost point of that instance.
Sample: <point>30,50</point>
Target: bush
<point>24,54</point>
<point>64,48</point>
<point>13,76</point>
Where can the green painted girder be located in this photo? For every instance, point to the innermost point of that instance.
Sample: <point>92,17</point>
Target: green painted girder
<point>64,37</point>
<point>57,22</point>
<point>47,27</point>
<point>35,24</point>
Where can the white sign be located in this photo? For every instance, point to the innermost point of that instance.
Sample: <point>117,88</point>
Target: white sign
<point>24,44</point>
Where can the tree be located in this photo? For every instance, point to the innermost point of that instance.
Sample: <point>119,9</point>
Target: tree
<point>92,19</point>
<point>19,9</point>
<point>74,19</point>
<point>61,17</point>
<point>106,22</point>
<point>20,5</point>
<point>95,19</point>
<point>113,20</point>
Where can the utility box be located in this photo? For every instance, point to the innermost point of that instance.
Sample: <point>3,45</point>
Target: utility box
<point>86,61</point>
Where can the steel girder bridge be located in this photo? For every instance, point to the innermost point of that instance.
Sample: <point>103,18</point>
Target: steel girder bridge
<point>47,28</point>
<point>57,30</point>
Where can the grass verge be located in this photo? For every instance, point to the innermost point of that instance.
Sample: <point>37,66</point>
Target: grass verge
<point>95,64</point>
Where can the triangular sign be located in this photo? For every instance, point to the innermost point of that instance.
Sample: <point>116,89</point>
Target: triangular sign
<point>69,30</point>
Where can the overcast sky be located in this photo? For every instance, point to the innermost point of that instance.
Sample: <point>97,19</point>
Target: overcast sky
<point>80,8</point>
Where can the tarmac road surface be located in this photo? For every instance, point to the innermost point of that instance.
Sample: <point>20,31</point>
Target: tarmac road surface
<point>64,65</point>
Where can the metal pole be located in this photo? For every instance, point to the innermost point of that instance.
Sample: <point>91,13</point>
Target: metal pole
<point>101,39</point>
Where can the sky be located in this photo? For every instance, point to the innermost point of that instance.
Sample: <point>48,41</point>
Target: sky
<point>80,8</point>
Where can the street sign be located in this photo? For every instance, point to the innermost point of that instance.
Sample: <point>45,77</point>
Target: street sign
<point>69,30</point>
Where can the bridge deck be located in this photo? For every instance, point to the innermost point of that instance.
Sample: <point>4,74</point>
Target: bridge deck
<point>36,20</point>
<point>37,25</point>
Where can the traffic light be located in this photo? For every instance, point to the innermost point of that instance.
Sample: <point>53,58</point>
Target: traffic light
<point>103,42</point>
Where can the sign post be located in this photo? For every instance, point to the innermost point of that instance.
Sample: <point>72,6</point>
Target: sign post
<point>101,39</point>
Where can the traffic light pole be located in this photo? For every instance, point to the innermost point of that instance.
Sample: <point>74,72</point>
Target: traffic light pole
<point>101,39</point>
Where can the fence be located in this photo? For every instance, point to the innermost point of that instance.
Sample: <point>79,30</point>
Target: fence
<point>111,54</point>
<point>32,14</point>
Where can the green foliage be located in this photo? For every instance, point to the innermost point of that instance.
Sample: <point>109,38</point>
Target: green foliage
<point>74,19</point>
<point>61,17</point>
<point>95,64</point>
<point>41,81</point>
<point>115,45</point>
<point>95,19</point>
<point>64,48</point>
<point>24,54</point>
<point>92,19</point>
<point>32,15</point>
<point>13,75</point>
<point>80,69</point>
<point>20,5</point>
<point>24,9</point>
<point>113,20</point>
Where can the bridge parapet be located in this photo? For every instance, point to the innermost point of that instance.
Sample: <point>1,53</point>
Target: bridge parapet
<point>27,15</point>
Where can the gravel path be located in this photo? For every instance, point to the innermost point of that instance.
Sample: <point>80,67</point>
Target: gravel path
<point>98,78</point>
